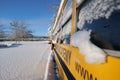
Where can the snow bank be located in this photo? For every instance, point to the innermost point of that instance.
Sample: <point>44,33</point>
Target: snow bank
<point>97,9</point>
<point>93,54</point>
<point>8,44</point>
<point>4,44</point>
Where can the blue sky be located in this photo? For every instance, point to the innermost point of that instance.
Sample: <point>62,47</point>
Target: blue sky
<point>36,13</point>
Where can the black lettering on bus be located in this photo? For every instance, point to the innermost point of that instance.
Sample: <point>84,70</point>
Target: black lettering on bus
<point>91,77</point>
<point>66,54</point>
<point>83,72</point>
<point>69,56</point>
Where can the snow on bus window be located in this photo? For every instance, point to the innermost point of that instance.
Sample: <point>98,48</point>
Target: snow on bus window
<point>66,33</point>
<point>67,11</point>
<point>102,17</point>
<point>65,15</point>
<point>93,54</point>
<point>98,20</point>
<point>59,24</point>
<point>66,28</point>
<point>56,37</point>
<point>96,9</point>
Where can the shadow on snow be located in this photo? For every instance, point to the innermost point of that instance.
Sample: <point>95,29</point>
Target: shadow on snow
<point>9,46</point>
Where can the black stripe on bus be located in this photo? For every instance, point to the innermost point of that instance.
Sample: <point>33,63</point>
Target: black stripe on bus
<point>66,70</point>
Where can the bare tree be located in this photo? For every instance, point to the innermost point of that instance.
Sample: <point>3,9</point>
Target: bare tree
<point>19,30</point>
<point>54,6</point>
<point>2,32</point>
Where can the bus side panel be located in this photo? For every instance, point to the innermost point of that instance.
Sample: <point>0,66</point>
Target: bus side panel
<point>81,70</point>
<point>62,75</point>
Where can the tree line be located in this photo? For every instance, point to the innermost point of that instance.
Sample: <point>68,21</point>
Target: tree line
<point>19,31</point>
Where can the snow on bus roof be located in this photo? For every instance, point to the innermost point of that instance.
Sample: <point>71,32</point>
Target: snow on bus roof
<point>96,9</point>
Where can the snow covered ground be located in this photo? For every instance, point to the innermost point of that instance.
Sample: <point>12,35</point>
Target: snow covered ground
<point>24,62</point>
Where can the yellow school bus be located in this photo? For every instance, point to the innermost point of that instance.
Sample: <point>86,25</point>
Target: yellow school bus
<point>86,39</point>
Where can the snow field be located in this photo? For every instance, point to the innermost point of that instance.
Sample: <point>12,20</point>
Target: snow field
<point>25,62</point>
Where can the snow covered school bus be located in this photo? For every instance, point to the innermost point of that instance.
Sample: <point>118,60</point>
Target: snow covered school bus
<point>86,39</point>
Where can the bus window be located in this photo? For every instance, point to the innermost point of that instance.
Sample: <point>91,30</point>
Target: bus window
<point>106,32</point>
<point>67,11</point>
<point>66,39</point>
<point>66,22</point>
<point>66,32</point>
<point>103,20</point>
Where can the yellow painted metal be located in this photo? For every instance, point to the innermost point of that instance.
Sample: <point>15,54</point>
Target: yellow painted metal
<point>81,70</point>
<point>59,14</point>
<point>76,63</point>
<point>73,17</point>
<point>62,75</point>
<point>61,30</point>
